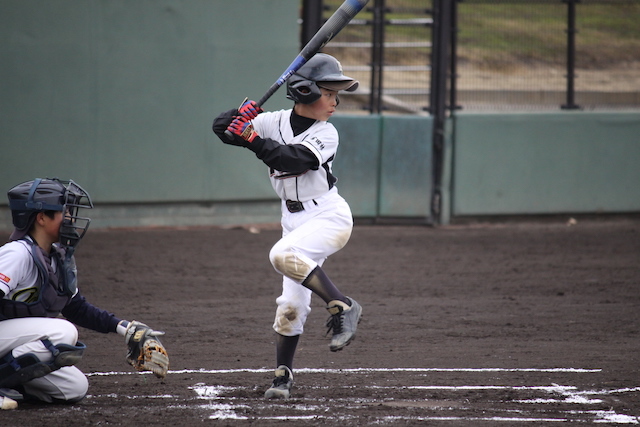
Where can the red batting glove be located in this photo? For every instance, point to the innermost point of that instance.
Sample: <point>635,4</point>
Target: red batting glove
<point>250,110</point>
<point>243,128</point>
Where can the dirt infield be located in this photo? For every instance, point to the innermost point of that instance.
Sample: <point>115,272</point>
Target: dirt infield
<point>508,324</point>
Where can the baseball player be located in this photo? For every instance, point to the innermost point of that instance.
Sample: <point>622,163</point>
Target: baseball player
<point>299,145</point>
<point>38,283</point>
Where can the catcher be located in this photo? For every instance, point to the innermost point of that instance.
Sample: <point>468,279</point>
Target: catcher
<point>40,302</point>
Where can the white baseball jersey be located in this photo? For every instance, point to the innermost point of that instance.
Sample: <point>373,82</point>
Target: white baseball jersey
<point>18,274</point>
<point>321,138</point>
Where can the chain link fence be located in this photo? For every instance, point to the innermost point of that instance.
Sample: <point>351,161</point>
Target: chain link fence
<point>387,47</point>
<point>547,54</point>
<point>506,55</point>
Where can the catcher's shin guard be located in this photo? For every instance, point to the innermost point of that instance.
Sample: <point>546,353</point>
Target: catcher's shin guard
<point>18,370</point>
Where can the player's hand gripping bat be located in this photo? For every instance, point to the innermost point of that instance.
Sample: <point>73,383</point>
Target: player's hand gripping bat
<point>336,22</point>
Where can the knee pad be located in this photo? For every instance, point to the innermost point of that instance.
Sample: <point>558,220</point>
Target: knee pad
<point>291,315</point>
<point>292,264</point>
<point>15,371</point>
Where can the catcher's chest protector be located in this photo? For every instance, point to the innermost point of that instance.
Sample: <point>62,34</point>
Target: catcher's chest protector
<point>53,294</point>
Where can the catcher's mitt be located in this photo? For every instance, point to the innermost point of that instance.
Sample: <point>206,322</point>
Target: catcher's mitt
<point>145,352</point>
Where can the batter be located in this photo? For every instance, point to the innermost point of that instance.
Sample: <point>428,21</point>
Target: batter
<point>299,146</point>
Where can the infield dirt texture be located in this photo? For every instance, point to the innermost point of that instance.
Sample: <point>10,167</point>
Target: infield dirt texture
<point>512,324</point>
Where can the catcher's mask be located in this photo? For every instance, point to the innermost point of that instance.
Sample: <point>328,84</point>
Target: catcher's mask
<point>41,195</point>
<point>321,71</point>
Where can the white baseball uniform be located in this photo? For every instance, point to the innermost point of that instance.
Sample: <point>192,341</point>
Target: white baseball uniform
<point>20,281</point>
<point>320,222</point>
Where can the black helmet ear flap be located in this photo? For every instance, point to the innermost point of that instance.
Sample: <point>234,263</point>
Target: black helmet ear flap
<point>302,91</point>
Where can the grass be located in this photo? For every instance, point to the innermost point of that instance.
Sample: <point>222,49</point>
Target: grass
<point>493,33</point>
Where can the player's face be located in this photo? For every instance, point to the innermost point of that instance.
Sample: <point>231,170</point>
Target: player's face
<point>322,109</point>
<point>51,226</point>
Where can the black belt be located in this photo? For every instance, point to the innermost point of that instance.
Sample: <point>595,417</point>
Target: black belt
<point>294,206</point>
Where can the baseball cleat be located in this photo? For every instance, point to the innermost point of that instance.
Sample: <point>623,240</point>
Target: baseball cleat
<point>343,322</point>
<point>9,398</point>
<point>280,389</point>
<point>7,403</point>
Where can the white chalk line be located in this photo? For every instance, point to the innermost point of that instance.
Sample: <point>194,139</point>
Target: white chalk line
<point>569,394</point>
<point>356,370</point>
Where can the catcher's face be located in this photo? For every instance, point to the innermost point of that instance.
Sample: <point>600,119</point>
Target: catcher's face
<point>50,225</point>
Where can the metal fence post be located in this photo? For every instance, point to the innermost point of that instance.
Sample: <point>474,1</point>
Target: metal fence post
<point>311,20</point>
<point>571,55</point>
<point>453,89</point>
<point>442,15</point>
<point>377,57</point>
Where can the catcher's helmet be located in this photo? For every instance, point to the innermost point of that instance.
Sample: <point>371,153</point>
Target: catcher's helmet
<point>321,70</point>
<point>40,195</point>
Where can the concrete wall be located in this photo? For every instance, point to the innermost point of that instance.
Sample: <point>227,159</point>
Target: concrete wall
<point>546,163</point>
<point>384,164</point>
<point>120,95</point>
<point>383,167</point>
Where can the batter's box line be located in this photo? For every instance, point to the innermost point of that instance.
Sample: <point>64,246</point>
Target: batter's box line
<point>225,408</point>
<point>358,370</point>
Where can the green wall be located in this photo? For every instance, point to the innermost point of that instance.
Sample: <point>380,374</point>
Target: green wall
<point>120,95</point>
<point>546,163</point>
<point>384,164</point>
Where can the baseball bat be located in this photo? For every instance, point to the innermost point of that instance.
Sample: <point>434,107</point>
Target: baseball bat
<point>336,22</point>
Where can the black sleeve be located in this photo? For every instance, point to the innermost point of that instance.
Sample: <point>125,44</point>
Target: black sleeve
<point>294,158</point>
<point>80,312</point>
<point>222,122</point>
<point>220,125</point>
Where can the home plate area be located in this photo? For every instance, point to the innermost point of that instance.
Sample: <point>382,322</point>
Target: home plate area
<point>481,325</point>
<point>402,396</point>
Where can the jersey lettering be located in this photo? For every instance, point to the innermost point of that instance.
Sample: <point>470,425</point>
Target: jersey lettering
<point>317,143</point>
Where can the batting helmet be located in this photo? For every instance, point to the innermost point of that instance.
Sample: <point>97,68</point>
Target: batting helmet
<point>41,195</point>
<point>321,71</point>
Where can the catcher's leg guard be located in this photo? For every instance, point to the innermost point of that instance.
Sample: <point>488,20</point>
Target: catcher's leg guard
<point>19,370</point>
<point>67,355</point>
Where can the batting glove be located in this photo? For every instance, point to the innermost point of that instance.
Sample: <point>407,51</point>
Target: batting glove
<point>243,128</point>
<point>250,110</point>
